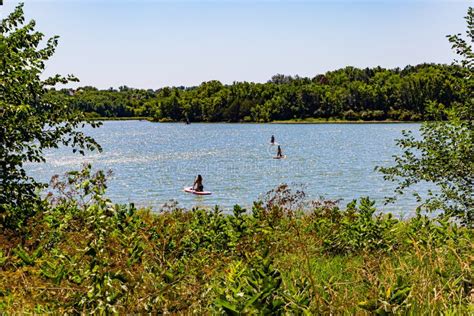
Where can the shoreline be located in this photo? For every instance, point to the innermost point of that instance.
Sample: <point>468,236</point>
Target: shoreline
<point>315,121</point>
<point>342,122</point>
<point>128,118</point>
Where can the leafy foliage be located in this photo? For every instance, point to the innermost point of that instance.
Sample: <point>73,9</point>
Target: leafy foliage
<point>80,253</point>
<point>349,93</point>
<point>30,120</point>
<point>249,290</point>
<point>86,254</point>
<point>390,301</point>
<point>360,229</point>
<point>444,155</point>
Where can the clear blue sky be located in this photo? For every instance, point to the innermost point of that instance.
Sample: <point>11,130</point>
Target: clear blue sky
<point>150,44</point>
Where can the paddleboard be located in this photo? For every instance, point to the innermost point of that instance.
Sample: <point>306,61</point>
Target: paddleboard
<point>283,157</point>
<point>190,190</point>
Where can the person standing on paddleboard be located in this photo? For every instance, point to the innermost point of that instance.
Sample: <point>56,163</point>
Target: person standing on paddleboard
<point>279,153</point>
<point>197,186</point>
<point>272,140</point>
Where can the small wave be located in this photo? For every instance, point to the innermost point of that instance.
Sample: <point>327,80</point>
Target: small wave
<point>117,159</point>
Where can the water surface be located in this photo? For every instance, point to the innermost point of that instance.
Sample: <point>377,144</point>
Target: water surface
<point>152,162</point>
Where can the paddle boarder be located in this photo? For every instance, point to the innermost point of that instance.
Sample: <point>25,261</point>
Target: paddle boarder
<point>197,186</point>
<point>279,153</point>
<point>272,140</point>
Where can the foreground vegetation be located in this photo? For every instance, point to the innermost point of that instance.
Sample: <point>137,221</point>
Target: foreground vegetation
<point>74,251</point>
<point>83,253</point>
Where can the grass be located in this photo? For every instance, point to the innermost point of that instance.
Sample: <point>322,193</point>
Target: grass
<point>81,253</point>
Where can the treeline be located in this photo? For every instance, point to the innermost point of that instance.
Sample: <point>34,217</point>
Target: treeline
<point>349,93</point>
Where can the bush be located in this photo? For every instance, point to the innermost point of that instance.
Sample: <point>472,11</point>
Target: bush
<point>83,253</point>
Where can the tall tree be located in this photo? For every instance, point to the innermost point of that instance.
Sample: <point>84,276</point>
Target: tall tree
<point>444,155</point>
<point>30,122</point>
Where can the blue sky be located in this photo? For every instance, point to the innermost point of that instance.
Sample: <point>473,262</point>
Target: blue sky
<point>150,44</point>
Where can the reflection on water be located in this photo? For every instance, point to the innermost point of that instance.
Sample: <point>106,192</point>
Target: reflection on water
<point>152,162</point>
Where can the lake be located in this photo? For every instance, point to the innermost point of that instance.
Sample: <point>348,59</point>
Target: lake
<point>152,162</point>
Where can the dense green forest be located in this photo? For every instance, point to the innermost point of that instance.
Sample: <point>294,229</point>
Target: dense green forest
<point>348,94</point>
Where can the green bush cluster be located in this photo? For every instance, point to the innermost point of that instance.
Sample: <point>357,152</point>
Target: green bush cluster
<point>83,253</point>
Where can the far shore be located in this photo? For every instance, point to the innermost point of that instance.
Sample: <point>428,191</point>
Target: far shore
<point>319,121</point>
<point>296,121</point>
<point>128,118</point>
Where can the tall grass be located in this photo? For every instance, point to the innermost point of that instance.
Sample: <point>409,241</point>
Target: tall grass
<point>82,253</point>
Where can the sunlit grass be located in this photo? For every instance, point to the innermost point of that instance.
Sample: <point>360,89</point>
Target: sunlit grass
<point>277,258</point>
